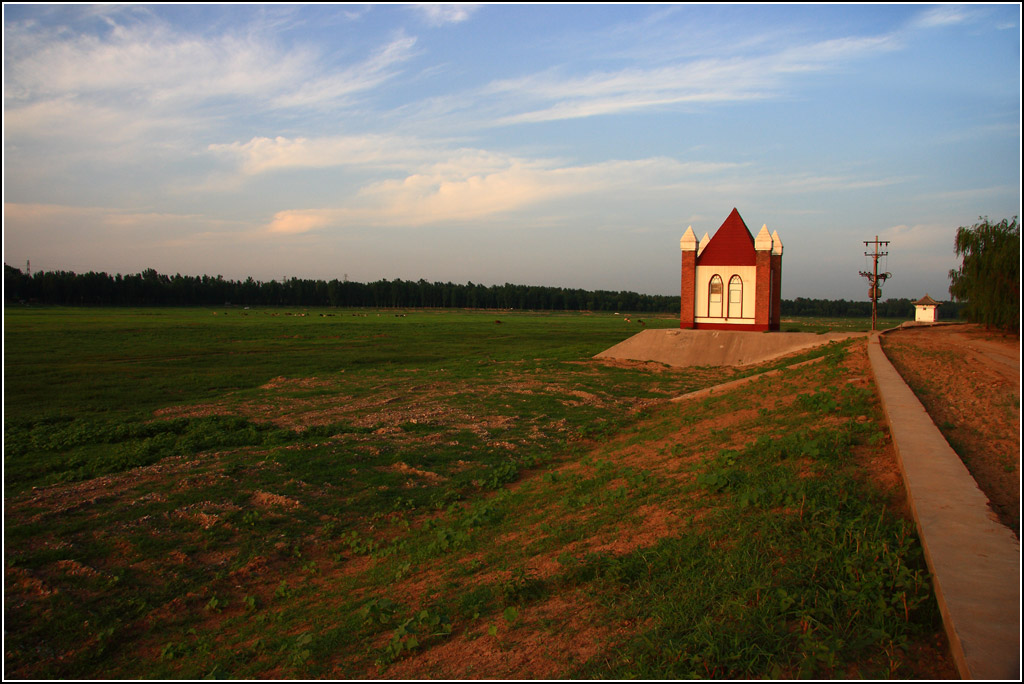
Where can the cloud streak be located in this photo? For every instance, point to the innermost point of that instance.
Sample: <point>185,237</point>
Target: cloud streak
<point>709,80</point>
<point>474,184</point>
<point>263,155</point>
<point>944,15</point>
<point>439,14</point>
<point>142,81</point>
<point>470,186</point>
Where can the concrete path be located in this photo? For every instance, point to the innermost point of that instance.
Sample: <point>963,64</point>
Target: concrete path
<point>974,560</point>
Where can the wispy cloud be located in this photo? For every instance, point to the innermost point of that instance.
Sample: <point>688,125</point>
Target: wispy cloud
<point>147,63</point>
<point>148,82</point>
<point>262,155</point>
<point>468,187</point>
<point>53,217</point>
<point>942,15</point>
<point>474,184</point>
<point>441,13</point>
<point>157,66</point>
<point>782,187</point>
<point>921,237</point>
<point>364,76</point>
<point>730,79</point>
<point>967,194</point>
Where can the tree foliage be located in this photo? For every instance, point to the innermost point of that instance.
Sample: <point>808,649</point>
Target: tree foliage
<point>150,288</point>
<point>900,307</point>
<point>988,279</point>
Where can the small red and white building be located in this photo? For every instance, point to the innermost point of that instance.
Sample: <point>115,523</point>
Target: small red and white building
<point>732,281</point>
<point>926,310</point>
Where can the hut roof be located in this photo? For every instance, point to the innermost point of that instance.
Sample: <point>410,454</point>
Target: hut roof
<point>926,301</point>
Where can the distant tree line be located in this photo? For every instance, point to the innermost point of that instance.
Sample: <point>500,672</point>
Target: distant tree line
<point>151,288</point>
<point>841,308</point>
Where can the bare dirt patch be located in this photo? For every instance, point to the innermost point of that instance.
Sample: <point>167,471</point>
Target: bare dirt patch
<point>654,524</point>
<point>57,500</point>
<point>968,379</point>
<point>545,641</point>
<point>414,474</point>
<point>269,500</point>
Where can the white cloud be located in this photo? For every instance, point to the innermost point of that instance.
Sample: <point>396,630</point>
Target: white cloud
<point>148,82</point>
<point>148,63</point>
<point>731,79</point>
<point>71,129</point>
<point>439,14</point>
<point>942,15</point>
<point>474,184</point>
<point>294,221</point>
<point>261,154</point>
<point>921,237</point>
<point>372,72</point>
<point>447,192</point>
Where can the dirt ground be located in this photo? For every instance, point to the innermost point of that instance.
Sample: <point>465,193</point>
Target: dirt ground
<point>968,379</point>
<point>570,628</point>
<point>549,637</point>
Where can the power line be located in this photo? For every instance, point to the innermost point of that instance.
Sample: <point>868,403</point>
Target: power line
<point>875,279</point>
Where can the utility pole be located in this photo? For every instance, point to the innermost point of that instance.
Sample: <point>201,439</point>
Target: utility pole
<point>875,279</point>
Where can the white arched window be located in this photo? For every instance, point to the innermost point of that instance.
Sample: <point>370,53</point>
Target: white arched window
<point>735,309</point>
<point>715,297</point>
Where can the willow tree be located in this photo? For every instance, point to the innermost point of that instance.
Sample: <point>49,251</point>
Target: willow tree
<point>988,279</point>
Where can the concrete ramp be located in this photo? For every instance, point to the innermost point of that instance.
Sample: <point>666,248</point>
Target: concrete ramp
<point>715,347</point>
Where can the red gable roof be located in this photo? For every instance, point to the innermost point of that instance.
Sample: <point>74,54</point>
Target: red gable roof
<point>731,245</point>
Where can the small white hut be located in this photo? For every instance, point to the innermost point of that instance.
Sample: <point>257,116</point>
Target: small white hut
<point>926,310</point>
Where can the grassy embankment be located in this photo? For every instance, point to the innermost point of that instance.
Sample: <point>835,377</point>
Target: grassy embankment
<point>258,494</point>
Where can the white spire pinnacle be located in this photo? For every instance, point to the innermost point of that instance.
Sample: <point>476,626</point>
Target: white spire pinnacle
<point>688,243</point>
<point>763,241</point>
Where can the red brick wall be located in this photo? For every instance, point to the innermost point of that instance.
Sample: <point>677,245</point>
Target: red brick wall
<point>686,289</point>
<point>776,322</point>
<point>762,289</point>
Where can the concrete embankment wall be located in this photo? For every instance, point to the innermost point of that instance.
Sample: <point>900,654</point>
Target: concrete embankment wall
<point>715,347</point>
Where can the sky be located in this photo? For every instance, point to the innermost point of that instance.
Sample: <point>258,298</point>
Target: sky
<point>557,145</point>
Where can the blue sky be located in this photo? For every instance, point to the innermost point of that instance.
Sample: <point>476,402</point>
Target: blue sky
<point>562,145</point>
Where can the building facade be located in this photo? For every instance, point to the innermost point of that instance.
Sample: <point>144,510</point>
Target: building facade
<point>732,281</point>
<point>926,310</point>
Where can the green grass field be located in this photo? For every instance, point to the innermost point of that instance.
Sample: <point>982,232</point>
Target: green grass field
<point>359,494</point>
